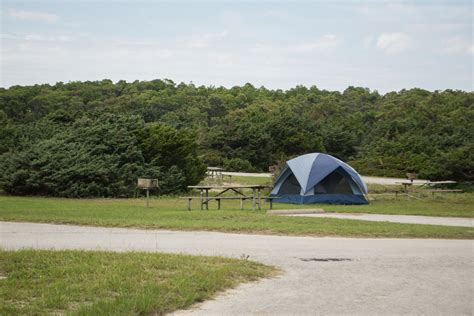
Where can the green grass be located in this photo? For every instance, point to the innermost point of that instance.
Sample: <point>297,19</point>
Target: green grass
<point>106,283</point>
<point>170,213</point>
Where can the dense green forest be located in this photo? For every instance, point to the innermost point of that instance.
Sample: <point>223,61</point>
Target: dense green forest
<point>96,138</point>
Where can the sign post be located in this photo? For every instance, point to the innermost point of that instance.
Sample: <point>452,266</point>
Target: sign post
<point>147,184</point>
<point>147,197</point>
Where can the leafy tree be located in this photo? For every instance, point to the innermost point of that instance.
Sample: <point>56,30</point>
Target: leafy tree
<point>164,146</point>
<point>243,127</point>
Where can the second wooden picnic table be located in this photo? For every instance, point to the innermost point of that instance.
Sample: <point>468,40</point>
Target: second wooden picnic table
<point>205,198</point>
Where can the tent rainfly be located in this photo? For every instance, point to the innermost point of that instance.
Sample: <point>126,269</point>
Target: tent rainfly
<point>319,178</point>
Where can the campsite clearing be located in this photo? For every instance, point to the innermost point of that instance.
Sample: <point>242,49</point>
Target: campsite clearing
<point>107,283</point>
<point>170,213</point>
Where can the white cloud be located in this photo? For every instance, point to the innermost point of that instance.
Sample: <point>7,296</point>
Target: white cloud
<point>378,9</point>
<point>471,50</point>
<point>37,38</point>
<point>205,40</point>
<point>439,27</point>
<point>393,43</point>
<point>295,51</point>
<point>33,16</point>
<point>326,43</point>
<point>369,41</point>
<point>457,45</point>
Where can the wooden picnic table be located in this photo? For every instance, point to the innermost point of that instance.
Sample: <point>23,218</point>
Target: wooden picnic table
<point>205,198</point>
<point>405,184</point>
<point>215,172</point>
<point>428,183</point>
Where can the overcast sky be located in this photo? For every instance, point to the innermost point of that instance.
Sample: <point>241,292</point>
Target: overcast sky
<point>384,46</point>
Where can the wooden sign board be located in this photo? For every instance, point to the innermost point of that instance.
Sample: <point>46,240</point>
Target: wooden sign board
<point>147,183</point>
<point>273,169</point>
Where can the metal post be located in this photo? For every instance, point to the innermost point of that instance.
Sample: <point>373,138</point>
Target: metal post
<point>147,198</point>
<point>207,199</point>
<point>241,203</point>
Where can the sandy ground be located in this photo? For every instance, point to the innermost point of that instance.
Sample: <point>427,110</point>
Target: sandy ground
<point>409,219</point>
<point>326,276</point>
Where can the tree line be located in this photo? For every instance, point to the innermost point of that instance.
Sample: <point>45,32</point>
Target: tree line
<point>95,138</point>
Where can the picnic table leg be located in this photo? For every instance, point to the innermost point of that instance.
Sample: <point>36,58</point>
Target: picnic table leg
<point>207,199</point>
<point>253,199</point>
<point>259,201</point>
<point>202,201</point>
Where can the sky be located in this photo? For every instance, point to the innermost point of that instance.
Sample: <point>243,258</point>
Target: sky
<point>383,46</point>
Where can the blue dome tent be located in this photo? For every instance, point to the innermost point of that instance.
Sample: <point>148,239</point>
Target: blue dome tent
<point>319,178</point>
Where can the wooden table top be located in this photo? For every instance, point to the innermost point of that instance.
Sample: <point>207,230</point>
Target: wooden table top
<point>228,186</point>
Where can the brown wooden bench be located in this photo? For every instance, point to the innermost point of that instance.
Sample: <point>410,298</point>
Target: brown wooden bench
<point>241,198</point>
<point>219,198</point>
<point>270,199</point>
<point>445,191</point>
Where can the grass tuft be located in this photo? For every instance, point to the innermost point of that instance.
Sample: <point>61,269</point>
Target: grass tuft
<point>108,283</point>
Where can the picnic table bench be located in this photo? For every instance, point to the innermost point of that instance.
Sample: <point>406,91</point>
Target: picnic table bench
<point>219,198</point>
<point>445,191</point>
<point>431,184</point>
<point>204,197</point>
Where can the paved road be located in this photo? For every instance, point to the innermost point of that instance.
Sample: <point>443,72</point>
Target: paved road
<point>374,276</point>
<point>247,174</point>
<point>410,219</point>
<point>367,179</point>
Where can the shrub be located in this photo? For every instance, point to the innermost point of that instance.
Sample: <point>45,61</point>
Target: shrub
<point>102,156</point>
